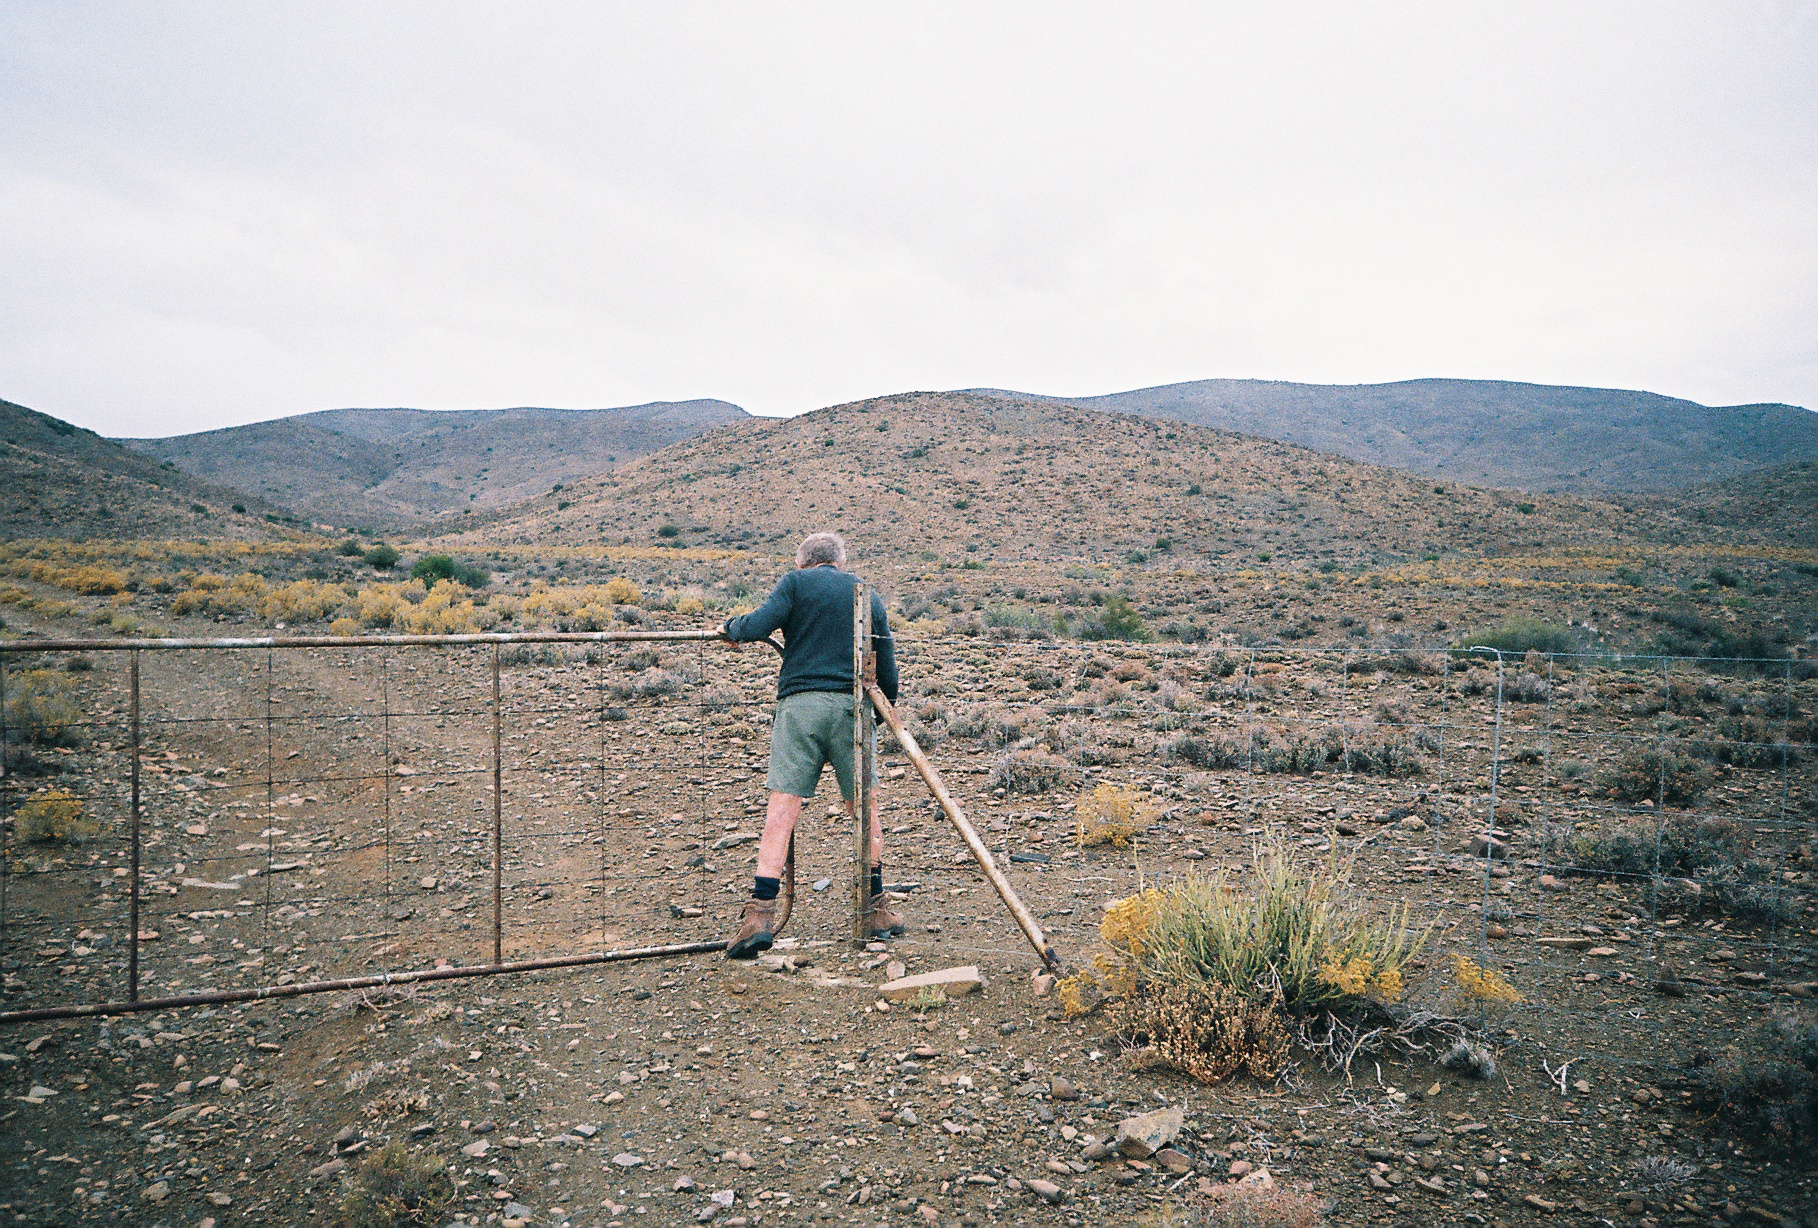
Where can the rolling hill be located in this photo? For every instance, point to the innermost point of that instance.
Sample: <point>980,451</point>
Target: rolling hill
<point>1037,482</point>
<point>1490,432</point>
<point>382,468</point>
<point>59,480</point>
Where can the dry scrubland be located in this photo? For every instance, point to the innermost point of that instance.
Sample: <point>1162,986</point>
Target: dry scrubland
<point>1580,1025</point>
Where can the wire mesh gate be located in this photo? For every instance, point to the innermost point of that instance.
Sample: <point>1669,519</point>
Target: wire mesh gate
<point>181,794</point>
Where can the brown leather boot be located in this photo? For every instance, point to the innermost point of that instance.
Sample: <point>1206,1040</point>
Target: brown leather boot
<point>757,933</point>
<point>880,920</point>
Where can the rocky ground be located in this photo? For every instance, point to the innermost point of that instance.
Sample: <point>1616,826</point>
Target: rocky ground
<point>320,814</point>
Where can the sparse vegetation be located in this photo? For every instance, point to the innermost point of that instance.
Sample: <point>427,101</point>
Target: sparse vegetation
<point>1245,1206</point>
<point>1519,636</point>
<point>433,567</point>
<point>1032,771</point>
<point>398,1189</point>
<point>1766,1077</point>
<point>1115,619</point>
<point>1367,750</point>
<point>41,708</point>
<point>1650,774</point>
<point>52,818</point>
<point>1200,972</point>
<point>1479,986</point>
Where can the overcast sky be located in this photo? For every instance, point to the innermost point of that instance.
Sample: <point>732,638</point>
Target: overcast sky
<point>212,214</point>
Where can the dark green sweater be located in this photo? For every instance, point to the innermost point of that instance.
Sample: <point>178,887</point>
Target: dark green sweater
<point>812,607</point>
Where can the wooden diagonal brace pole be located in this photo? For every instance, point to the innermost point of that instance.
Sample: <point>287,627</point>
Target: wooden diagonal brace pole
<point>1024,918</point>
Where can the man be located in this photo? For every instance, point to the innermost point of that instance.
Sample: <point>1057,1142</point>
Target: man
<point>812,606</point>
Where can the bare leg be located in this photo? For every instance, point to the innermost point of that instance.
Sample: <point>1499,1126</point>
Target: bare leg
<point>779,824</point>
<point>877,830</point>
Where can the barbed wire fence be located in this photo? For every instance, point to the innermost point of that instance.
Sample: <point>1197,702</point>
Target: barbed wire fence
<point>1626,840</point>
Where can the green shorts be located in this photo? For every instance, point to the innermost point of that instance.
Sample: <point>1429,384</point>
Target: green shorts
<point>812,729</point>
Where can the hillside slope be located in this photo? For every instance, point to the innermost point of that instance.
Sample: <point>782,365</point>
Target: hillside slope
<point>1779,504</point>
<point>378,468</point>
<point>1491,432</point>
<point>59,480</point>
<point>1030,481</point>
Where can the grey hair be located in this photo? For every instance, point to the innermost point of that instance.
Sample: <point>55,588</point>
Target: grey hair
<point>818,548</point>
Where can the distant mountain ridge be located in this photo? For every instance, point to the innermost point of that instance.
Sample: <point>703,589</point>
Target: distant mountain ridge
<point>384,468</point>
<point>1043,483</point>
<point>1491,432</point>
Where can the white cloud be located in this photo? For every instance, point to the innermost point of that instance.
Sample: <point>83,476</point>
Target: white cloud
<point>219,213</point>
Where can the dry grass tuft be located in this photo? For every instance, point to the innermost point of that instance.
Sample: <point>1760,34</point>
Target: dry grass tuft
<point>1032,771</point>
<point>1201,973</point>
<point>396,1189</point>
<point>1244,1206</point>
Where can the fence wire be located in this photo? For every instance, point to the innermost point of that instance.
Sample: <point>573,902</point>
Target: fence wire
<point>1617,837</point>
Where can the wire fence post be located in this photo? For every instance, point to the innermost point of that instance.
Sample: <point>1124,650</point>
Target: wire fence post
<point>498,823</point>
<point>1489,838</point>
<point>861,760</point>
<point>132,907</point>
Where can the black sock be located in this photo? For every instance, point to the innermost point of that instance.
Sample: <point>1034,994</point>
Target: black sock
<point>877,880</point>
<point>766,888</point>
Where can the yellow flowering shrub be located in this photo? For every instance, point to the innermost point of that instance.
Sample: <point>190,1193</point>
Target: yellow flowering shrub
<point>1111,815</point>
<point>1477,985</point>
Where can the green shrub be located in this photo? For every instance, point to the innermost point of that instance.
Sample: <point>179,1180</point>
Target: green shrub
<point>1116,619</point>
<point>1016,620</point>
<point>433,567</point>
<point>996,726</point>
<point>381,557</point>
<point>1032,771</point>
<point>349,549</point>
<point>1767,1076</point>
<point>395,1189</point>
<point>52,818</point>
<point>41,708</point>
<point>1647,773</point>
<point>1522,635</point>
<point>1365,750</point>
<point>1689,865</point>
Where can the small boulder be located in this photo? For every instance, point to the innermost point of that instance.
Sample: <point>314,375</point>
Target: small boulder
<point>1142,1136</point>
<point>954,982</point>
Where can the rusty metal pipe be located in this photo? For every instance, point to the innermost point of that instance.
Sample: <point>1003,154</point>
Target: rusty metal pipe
<point>1032,930</point>
<point>364,641</point>
<point>498,821</point>
<point>263,992</point>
